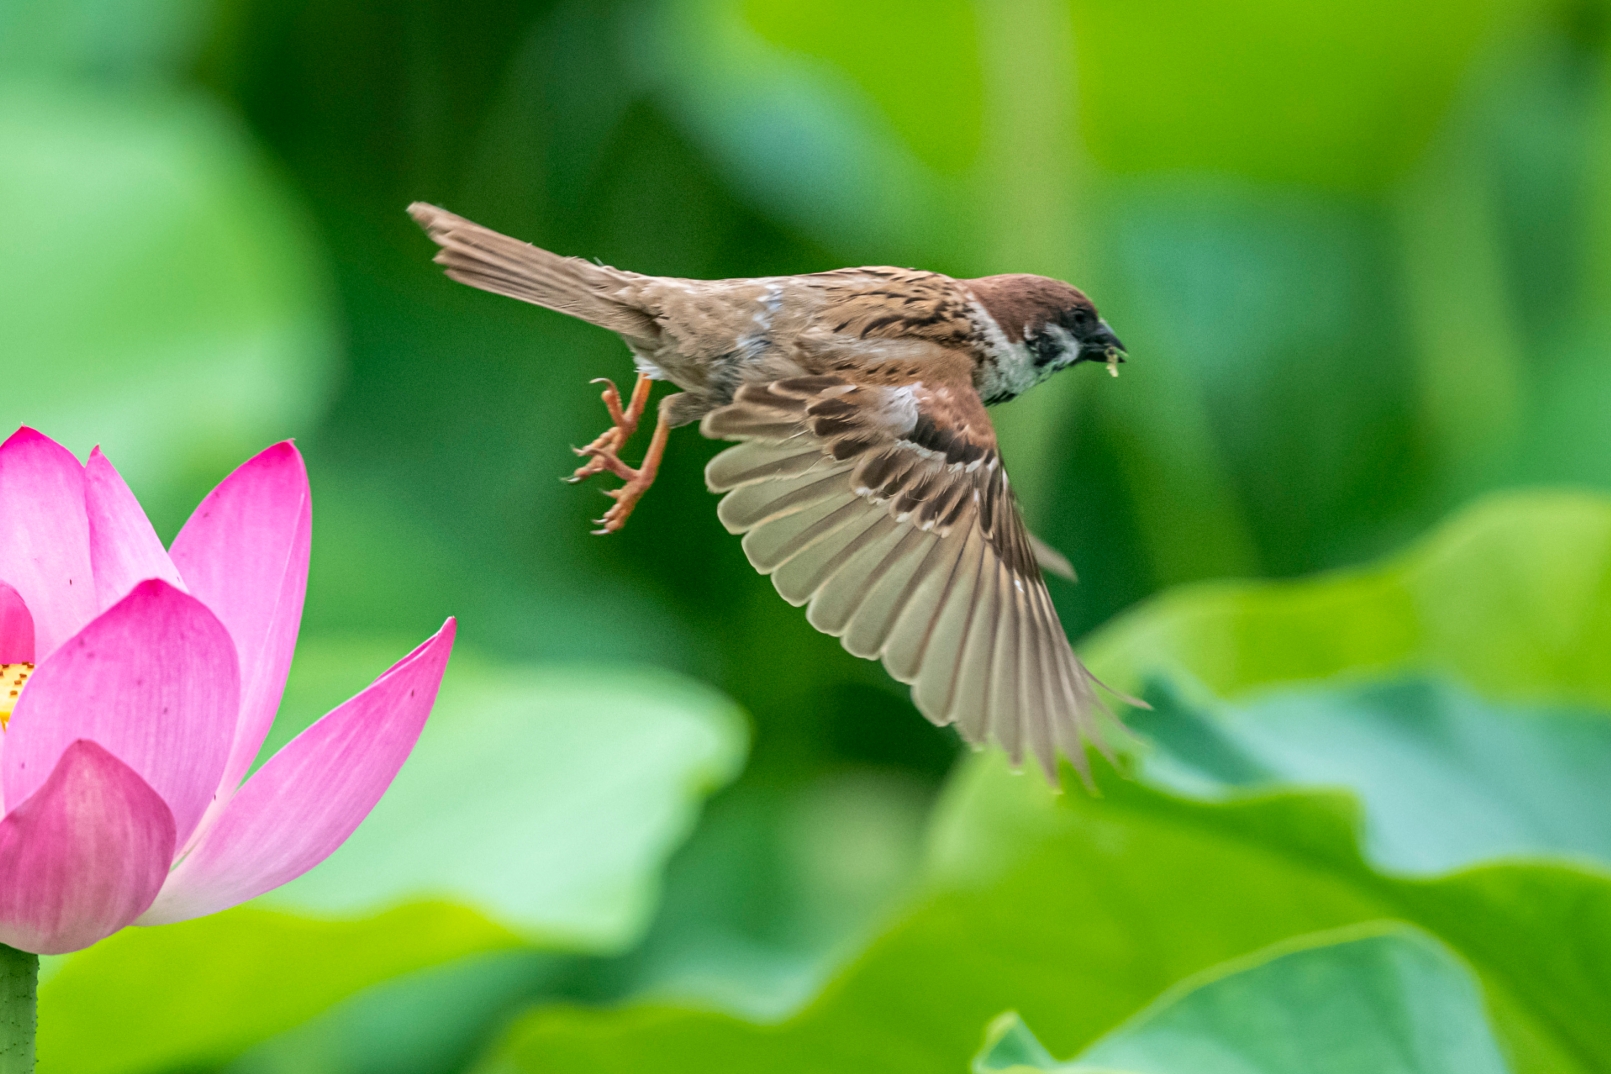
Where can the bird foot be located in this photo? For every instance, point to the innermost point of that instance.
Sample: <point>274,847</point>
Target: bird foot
<point>626,497</point>
<point>624,422</point>
<point>603,454</point>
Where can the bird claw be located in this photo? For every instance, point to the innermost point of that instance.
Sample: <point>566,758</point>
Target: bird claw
<point>603,454</point>
<point>600,459</point>
<point>596,454</point>
<point>626,498</point>
<point>626,421</point>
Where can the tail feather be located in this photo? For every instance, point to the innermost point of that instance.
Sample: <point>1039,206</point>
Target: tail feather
<point>494,262</point>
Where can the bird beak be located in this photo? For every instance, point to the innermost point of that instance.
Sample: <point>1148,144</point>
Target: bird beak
<point>1101,345</point>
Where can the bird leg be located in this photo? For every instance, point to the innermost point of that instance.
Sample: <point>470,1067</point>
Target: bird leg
<point>613,439</point>
<point>637,480</point>
<point>604,453</point>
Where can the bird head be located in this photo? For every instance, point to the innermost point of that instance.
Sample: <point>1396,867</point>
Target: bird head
<point>1057,324</point>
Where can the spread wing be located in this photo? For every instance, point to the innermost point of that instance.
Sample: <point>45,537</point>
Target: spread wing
<point>886,510</point>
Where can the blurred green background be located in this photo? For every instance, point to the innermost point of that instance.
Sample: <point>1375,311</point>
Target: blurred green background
<point>1361,256</point>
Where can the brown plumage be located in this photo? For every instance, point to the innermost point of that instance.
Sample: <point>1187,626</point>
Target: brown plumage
<point>866,480</point>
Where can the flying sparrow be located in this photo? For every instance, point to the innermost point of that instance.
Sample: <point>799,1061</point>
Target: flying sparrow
<point>866,480</point>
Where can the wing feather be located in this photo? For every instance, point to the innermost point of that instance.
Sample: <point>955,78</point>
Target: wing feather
<point>942,658</point>
<point>799,578</point>
<point>970,700</point>
<point>760,460</point>
<point>751,505</point>
<point>1046,681</point>
<point>909,637</point>
<point>1006,701</point>
<point>772,543</point>
<point>869,628</point>
<point>885,509</point>
<point>1066,734</point>
<point>845,590</point>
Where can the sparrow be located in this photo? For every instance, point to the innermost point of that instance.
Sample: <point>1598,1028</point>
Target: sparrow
<point>866,479</point>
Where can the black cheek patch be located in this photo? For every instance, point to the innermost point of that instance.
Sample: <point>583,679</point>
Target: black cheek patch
<point>1044,350</point>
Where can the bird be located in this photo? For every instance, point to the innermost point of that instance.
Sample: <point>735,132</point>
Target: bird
<point>866,479</point>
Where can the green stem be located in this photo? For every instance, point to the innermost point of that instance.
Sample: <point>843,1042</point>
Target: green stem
<point>19,982</point>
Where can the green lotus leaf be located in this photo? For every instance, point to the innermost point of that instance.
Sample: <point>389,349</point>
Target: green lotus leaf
<point>1512,596</point>
<point>1078,911</point>
<point>1445,778</point>
<point>546,798</point>
<point>1390,1001</point>
<point>188,996</point>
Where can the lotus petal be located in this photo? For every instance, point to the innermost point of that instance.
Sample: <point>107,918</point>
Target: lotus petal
<point>308,798</point>
<point>124,549</point>
<point>44,536</point>
<point>153,681</point>
<point>82,856</point>
<point>16,628</point>
<point>244,553</point>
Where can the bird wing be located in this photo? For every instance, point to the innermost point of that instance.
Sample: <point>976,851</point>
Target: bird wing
<point>885,509</point>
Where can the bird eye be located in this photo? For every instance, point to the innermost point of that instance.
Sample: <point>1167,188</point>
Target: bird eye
<point>1081,316</point>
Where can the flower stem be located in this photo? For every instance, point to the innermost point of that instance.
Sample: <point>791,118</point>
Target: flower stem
<point>19,982</point>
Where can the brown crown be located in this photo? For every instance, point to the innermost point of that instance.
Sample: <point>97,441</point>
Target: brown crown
<point>1021,303</point>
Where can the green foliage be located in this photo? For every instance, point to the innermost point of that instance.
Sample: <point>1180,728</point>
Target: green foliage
<point>101,40</point>
<point>192,994</point>
<point>426,1022</point>
<point>1077,911</point>
<point>1513,596</point>
<point>537,809</point>
<point>546,799</point>
<point>1392,1002</point>
<point>159,296</point>
<point>937,73</point>
<point>1445,778</point>
<point>1320,94</point>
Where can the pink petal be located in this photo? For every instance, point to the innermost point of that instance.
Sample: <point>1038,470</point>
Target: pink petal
<point>44,536</point>
<point>152,680</point>
<point>244,553</point>
<point>124,549</point>
<point>16,628</point>
<point>83,856</point>
<point>308,798</point>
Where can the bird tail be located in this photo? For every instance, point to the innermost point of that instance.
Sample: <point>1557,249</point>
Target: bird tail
<point>494,262</point>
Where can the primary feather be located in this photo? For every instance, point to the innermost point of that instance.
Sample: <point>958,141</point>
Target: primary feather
<point>897,526</point>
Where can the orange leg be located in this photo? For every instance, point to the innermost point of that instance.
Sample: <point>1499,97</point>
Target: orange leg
<point>613,439</point>
<point>603,454</point>
<point>637,480</point>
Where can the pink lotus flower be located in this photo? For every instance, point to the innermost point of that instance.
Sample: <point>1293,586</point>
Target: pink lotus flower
<point>158,674</point>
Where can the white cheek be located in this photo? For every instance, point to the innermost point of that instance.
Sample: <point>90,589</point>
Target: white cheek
<point>1066,343</point>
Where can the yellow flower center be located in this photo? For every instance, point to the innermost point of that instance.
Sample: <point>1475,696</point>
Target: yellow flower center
<point>12,678</point>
